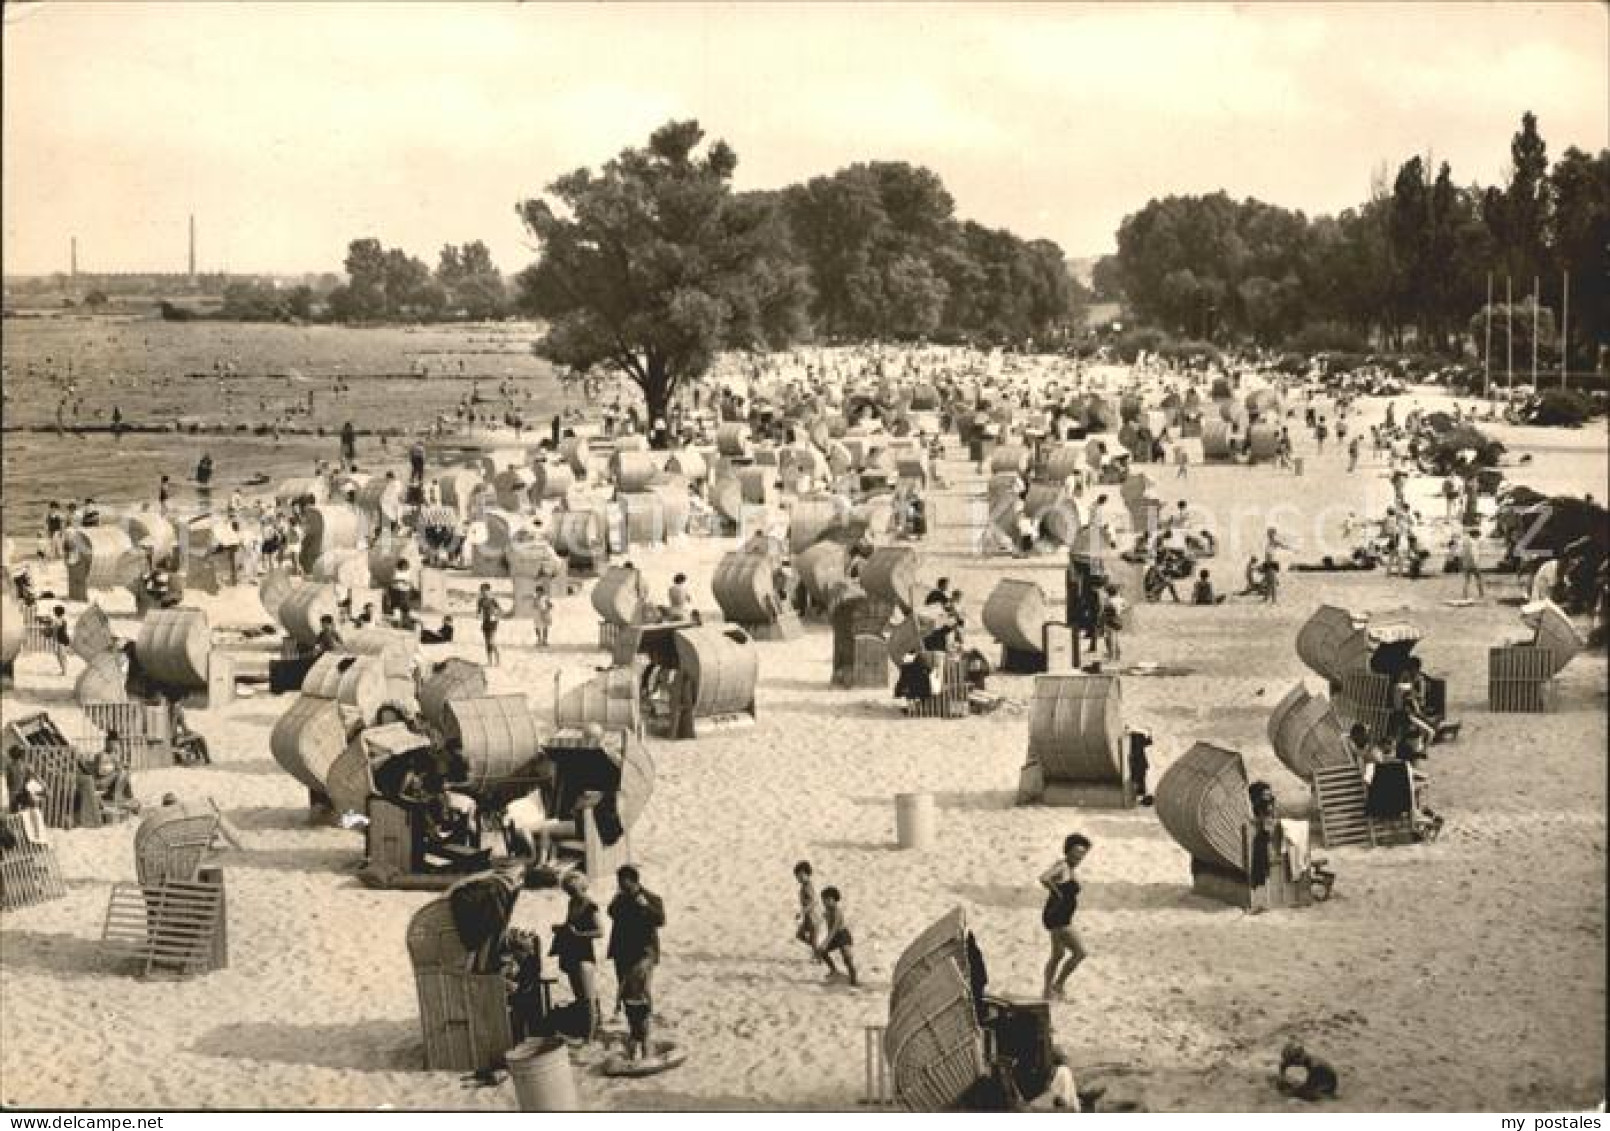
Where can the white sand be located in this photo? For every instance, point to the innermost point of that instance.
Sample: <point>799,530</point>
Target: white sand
<point>1467,974</point>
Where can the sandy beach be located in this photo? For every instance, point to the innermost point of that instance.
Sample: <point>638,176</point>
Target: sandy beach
<point>1465,974</point>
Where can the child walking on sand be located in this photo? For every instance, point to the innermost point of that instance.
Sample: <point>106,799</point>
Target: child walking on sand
<point>809,916</point>
<point>838,936</point>
<point>490,612</point>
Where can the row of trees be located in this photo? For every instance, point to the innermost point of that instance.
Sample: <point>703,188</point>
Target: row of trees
<point>888,259</point>
<point>652,265</point>
<point>385,284</point>
<point>1413,259</point>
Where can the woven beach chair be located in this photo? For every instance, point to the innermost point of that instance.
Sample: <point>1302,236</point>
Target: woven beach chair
<point>1521,676</point>
<point>464,1015</point>
<point>29,871</point>
<point>172,920</point>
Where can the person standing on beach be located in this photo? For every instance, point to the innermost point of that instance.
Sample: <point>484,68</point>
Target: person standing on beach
<point>490,612</point>
<point>1469,565</point>
<point>1061,905</point>
<point>573,947</point>
<point>636,915</point>
<point>60,637</point>
<point>349,443</point>
<point>55,529</point>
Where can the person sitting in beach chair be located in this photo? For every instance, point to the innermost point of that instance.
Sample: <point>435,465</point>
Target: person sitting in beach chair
<point>915,680</point>
<point>104,788</point>
<point>189,747</point>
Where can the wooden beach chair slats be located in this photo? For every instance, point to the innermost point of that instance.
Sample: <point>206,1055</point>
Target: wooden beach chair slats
<point>172,925</point>
<point>1340,795</point>
<point>1365,697</point>
<point>1520,679</point>
<point>29,870</point>
<point>145,740</point>
<point>951,700</point>
<point>37,637</point>
<point>465,1016</point>
<point>933,1042</point>
<point>57,767</point>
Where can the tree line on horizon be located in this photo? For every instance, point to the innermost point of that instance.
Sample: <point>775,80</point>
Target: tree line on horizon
<point>1409,265</point>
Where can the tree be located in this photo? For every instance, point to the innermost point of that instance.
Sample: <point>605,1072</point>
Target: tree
<point>364,296</point>
<point>652,265</point>
<point>1519,216</point>
<point>1580,185</point>
<point>470,282</point>
<point>1107,279</point>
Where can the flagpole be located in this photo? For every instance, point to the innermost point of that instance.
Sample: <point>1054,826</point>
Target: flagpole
<point>1487,347</point>
<point>1509,336</point>
<point>1565,315</point>
<point>1536,288</point>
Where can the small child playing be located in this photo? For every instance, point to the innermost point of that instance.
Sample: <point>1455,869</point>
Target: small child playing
<point>838,936</point>
<point>810,911</point>
<point>542,615</point>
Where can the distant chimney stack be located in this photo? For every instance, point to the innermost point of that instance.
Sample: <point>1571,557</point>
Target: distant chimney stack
<point>74,259</point>
<point>192,246</point>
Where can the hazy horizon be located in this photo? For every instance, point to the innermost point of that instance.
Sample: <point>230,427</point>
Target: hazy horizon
<point>289,130</point>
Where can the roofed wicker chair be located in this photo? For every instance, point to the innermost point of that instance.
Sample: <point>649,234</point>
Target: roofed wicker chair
<point>172,920</point>
<point>948,1044</point>
<point>1521,676</point>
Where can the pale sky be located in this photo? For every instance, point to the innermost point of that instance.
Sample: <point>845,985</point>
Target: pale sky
<point>289,129</point>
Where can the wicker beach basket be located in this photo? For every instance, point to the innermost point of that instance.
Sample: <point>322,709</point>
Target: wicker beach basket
<point>449,680</point>
<point>609,699</point>
<point>381,497</point>
<point>721,669</point>
<point>1014,614</point>
<point>1076,728</point>
<point>933,1041</point>
<point>501,743</point>
<point>308,738</point>
<point>152,531</point>
<point>101,681</point>
<point>553,480</point>
<point>732,440</point>
<point>1202,801</point>
<point>823,571</point>
<point>688,464</point>
<point>92,633</point>
<point>174,647</point>
<point>616,596</point>
<point>302,609</point>
<point>580,538</point>
<point>742,584</point>
<point>103,554</point>
<point>1216,440</point>
<point>634,472</point>
<point>1306,734</point>
<point>890,575</point>
<point>1334,643</point>
<point>328,527</point>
